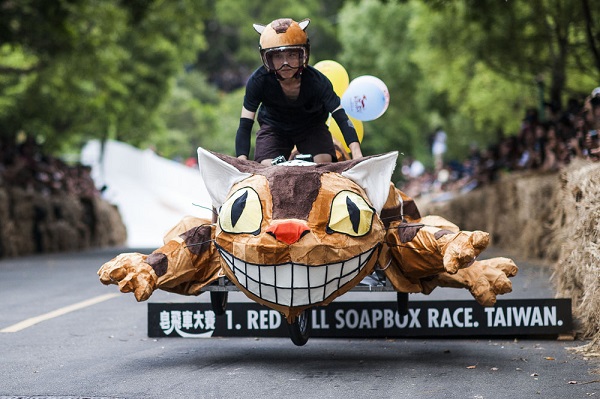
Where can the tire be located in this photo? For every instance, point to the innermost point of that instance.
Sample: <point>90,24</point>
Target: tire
<point>300,329</point>
<point>402,299</point>
<point>218,300</point>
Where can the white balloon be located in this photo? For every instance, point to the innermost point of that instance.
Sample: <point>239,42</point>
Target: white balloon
<point>366,98</point>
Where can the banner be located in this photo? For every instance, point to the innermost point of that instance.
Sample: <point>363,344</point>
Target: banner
<point>367,319</point>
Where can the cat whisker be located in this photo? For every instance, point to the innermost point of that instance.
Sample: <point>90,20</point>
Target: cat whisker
<point>199,243</point>
<point>390,244</point>
<point>421,225</point>
<point>392,217</point>
<point>412,225</point>
<point>196,231</point>
<point>206,207</point>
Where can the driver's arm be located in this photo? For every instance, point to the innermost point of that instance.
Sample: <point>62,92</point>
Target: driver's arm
<point>242,138</point>
<point>348,131</point>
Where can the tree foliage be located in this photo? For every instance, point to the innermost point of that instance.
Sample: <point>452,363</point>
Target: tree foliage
<point>170,74</point>
<point>376,41</point>
<point>233,51</point>
<point>549,40</point>
<point>78,69</point>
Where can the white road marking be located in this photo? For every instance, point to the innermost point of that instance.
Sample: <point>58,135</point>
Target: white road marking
<point>58,312</point>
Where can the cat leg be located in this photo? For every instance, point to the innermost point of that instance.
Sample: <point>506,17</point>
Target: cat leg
<point>485,279</point>
<point>432,245</point>
<point>131,273</point>
<point>460,249</point>
<point>184,265</point>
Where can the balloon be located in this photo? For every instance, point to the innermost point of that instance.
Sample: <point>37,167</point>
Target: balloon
<point>337,133</point>
<point>366,98</point>
<point>336,74</point>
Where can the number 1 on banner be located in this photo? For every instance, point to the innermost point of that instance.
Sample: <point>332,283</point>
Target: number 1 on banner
<point>229,315</point>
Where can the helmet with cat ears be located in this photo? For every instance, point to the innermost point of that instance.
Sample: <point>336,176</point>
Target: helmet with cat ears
<point>280,35</point>
<point>372,173</point>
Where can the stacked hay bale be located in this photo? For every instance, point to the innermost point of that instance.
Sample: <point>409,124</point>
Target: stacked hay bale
<point>577,226</point>
<point>22,215</point>
<point>555,217</point>
<point>33,222</point>
<point>109,229</point>
<point>6,225</point>
<point>518,213</point>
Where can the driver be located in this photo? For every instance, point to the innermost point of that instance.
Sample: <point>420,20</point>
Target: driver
<point>295,100</point>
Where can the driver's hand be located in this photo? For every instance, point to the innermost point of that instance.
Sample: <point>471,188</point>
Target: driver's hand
<point>355,150</point>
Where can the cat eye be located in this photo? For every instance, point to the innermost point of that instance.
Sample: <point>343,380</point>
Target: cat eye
<point>241,213</point>
<point>350,214</point>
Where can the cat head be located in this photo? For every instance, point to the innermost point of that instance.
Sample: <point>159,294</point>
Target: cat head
<point>298,234</point>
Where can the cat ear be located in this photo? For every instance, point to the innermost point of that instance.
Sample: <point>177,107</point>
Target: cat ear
<point>304,23</point>
<point>218,176</point>
<point>374,175</point>
<point>258,28</point>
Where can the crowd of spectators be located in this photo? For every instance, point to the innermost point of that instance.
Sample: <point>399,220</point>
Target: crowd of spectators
<point>541,145</point>
<point>24,165</point>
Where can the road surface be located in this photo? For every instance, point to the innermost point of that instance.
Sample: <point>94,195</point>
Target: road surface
<point>65,335</point>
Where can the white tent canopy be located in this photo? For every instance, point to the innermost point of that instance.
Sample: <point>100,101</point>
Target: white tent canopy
<point>152,193</point>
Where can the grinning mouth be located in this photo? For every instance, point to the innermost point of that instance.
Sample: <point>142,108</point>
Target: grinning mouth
<point>293,284</point>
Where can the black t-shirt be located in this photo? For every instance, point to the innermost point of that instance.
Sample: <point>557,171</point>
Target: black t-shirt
<point>312,107</point>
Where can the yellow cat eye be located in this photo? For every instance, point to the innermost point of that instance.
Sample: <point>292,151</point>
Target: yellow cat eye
<point>241,213</point>
<point>350,214</point>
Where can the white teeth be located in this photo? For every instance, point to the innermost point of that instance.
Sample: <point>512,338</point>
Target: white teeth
<point>292,284</point>
<point>350,266</point>
<point>318,275</point>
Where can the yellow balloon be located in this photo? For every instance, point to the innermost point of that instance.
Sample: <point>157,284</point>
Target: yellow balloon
<point>337,133</point>
<point>336,74</point>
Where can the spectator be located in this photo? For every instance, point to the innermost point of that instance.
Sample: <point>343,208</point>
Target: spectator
<point>25,166</point>
<point>438,147</point>
<point>546,146</point>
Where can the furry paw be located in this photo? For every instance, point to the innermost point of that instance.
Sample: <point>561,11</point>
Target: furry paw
<point>461,249</point>
<point>130,272</point>
<point>485,279</point>
<point>492,279</point>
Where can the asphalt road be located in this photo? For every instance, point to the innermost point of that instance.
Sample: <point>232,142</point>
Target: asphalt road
<point>92,344</point>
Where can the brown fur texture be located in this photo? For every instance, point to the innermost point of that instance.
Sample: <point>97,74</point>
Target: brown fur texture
<point>294,237</point>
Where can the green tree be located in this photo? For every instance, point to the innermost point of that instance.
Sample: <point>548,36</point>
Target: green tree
<point>472,101</point>
<point>547,40</point>
<point>78,69</point>
<point>376,41</point>
<point>232,53</point>
<point>187,119</point>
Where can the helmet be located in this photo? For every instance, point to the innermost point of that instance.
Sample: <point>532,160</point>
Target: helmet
<point>284,42</point>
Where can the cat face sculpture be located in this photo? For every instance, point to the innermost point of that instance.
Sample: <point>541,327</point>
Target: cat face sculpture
<point>298,235</point>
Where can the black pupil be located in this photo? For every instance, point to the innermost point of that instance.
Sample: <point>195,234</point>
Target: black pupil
<point>238,207</point>
<point>354,213</point>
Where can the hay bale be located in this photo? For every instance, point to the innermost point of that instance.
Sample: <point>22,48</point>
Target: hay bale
<point>36,222</point>
<point>516,211</point>
<point>577,226</point>
<point>554,217</point>
<point>7,226</point>
<point>535,207</point>
<point>22,215</point>
<point>77,234</point>
<point>109,229</point>
<point>4,223</point>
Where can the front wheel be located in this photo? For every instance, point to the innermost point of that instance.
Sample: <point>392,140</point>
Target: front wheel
<point>300,329</point>
<point>402,299</point>
<point>218,300</point>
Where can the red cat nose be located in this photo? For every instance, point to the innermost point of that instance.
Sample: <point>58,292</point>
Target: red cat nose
<point>288,231</point>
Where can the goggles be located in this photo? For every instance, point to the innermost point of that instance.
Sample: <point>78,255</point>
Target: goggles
<point>276,58</point>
